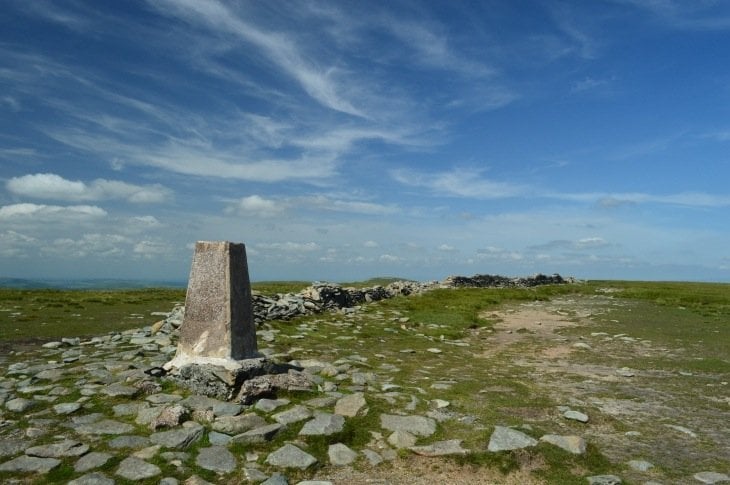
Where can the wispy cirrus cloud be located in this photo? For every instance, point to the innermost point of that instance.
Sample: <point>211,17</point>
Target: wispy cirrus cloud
<point>469,183</point>
<point>41,212</point>
<point>52,186</point>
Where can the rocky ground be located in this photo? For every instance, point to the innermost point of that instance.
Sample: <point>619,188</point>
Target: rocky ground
<point>379,411</point>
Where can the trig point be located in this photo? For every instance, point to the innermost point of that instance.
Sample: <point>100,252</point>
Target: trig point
<point>218,327</point>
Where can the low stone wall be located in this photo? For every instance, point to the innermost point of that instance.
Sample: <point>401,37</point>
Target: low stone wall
<point>321,297</point>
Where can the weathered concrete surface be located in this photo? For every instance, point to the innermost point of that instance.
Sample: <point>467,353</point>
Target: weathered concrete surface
<point>218,327</point>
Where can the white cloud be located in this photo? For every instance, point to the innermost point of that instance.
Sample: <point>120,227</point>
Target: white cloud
<point>447,248</point>
<point>467,183</point>
<point>40,211</point>
<point>147,221</point>
<point>151,249</point>
<point>93,244</point>
<point>370,244</point>
<point>338,205</point>
<point>289,247</point>
<point>52,186</point>
<point>389,258</point>
<point>257,206</point>
<point>16,245</point>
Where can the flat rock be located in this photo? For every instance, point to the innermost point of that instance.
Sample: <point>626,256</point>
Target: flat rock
<point>276,479</point>
<point>135,469</point>
<point>169,417</point>
<point>575,416</point>
<point>402,439</point>
<point>293,415</point>
<point>604,480</point>
<point>323,424</point>
<point>96,478</point>
<point>66,407</point>
<point>289,456</point>
<point>417,425</point>
<point>119,390</point>
<point>162,398</point>
<point>351,405</point>
<point>178,439</point>
<point>571,444</point>
<point>217,459</point>
<point>218,439</point>
<point>640,465</point>
<point>11,446</point>
<point>92,460</point>
<point>19,405</point>
<point>259,435</point>
<point>372,457</point>
<point>219,408</point>
<point>440,448</point>
<point>105,426</point>
<point>268,405</point>
<point>129,441</point>
<point>711,477</point>
<point>30,464</point>
<point>504,439</point>
<point>341,455</point>
<point>58,450</point>
<point>129,408</point>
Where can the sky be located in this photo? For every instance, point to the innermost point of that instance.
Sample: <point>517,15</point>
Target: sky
<point>345,140</point>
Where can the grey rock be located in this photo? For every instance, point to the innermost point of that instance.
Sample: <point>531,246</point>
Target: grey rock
<point>218,439</point>
<point>321,402</point>
<point>106,426</point>
<point>402,439</point>
<point>351,405</point>
<point>323,424</point>
<point>575,416</point>
<point>255,475</point>
<point>169,481</point>
<point>289,456</point>
<point>417,425</point>
<point>293,415</point>
<point>238,424</point>
<point>217,459</point>
<point>92,460</point>
<point>135,469</point>
<point>178,439</point>
<point>340,455</point>
<point>276,479</point>
<point>147,415</point>
<point>259,435</point>
<point>504,439</point>
<point>66,407</point>
<point>640,465</point>
<point>119,390</point>
<point>30,464</point>
<point>196,480</point>
<point>440,448</point>
<point>96,478</point>
<point>169,417</point>
<point>58,450</point>
<point>571,444</point>
<point>268,405</point>
<point>372,457</point>
<point>12,446</point>
<point>161,398</point>
<point>19,404</point>
<point>129,441</point>
<point>220,408</point>
<point>711,477</point>
<point>604,480</point>
<point>129,409</point>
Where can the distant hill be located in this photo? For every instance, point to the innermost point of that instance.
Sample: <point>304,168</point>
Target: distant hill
<point>87,284</point>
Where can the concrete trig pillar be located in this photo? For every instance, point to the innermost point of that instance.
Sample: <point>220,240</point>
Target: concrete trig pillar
<point>218,327</point>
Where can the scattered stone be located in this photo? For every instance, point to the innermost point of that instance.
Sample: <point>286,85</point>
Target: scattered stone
<point>640,465</point>
<point>120,390</point>
<point>504,439</point>
<point>582,346</point>
<point>604,480</point>
<point>169,417</point>
<point>440,403</point>
<point>92,460</point>
<point>10,446</point>
<point>711,477</point>
<point>402,439</point>
<point>269,405</point>
<point>351,405</point>
<point>161,398</point>
<point>340,455</point>
<point>217,459</point>
<point>19,405</point>
<point>135,469</point>
<point>178,439</point>
<point>67,407</point>
<point>30,464</point>
<point>219,408</point>
<point>575,416</point>
<point>625,372</point>
<point>571,444</point>
<point>372,457</point>
<point>434,350</point>
<point>259,435</point>
<point>440,448</point>
<point>218,439</point>
<point>289,456</point>
<point>58,450</point>
<point>106,426</point>
<point>417,425</point>
<point>255,475</point>
<point>129,441</point>
<point>276,479</point>
<point>323,424</point>
<point>196,480</point>
<point>96,478</point>
<point>293,415</point>
<point>682,429</point>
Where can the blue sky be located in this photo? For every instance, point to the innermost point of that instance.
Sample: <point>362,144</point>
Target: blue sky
<point>344,140</point>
